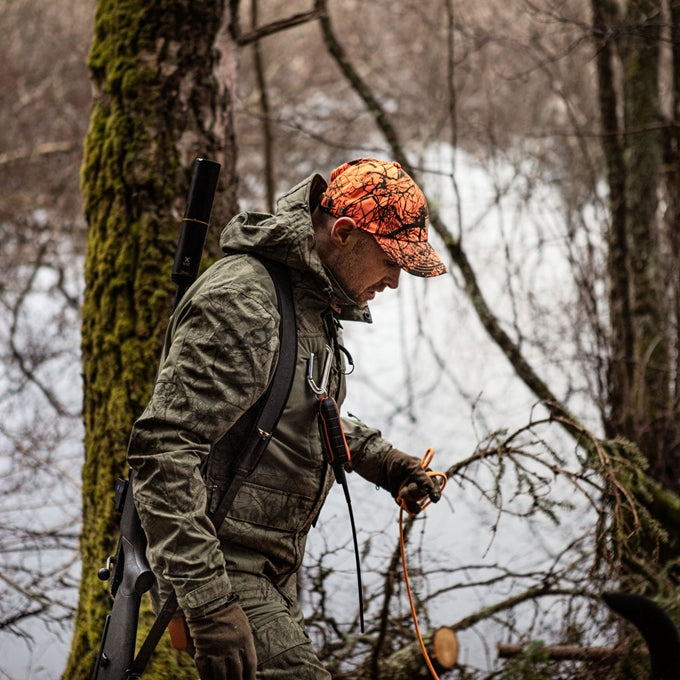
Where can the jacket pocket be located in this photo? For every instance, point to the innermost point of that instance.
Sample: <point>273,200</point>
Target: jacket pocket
<point>269,508</point>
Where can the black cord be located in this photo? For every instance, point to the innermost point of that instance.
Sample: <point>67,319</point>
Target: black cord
<point>342,480</point>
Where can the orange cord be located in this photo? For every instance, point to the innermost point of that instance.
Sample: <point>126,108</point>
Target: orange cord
<point>425,462</point>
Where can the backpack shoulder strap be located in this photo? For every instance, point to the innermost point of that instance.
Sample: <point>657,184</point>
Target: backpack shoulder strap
<point>270,406</point>
<point>282,380</point>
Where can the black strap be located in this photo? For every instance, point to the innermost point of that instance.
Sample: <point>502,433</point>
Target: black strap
<point>270,410</point>
<point>276,396</point>
<point>282,381</point>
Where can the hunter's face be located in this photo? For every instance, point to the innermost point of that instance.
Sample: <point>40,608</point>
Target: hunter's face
<point>364,270</point>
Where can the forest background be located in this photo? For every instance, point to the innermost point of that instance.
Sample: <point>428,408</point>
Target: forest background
<point>543,370</point>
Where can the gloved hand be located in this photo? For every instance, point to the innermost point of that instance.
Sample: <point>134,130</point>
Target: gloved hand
<point>404,477</point>
<point>224,645</point>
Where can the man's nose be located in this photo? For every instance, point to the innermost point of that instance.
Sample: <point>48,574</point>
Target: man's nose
<point>392,279</point>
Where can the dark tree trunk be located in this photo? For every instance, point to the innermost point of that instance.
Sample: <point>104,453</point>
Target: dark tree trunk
<point>638,157</point>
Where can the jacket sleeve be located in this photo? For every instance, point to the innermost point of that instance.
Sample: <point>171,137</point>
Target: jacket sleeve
<point>219,360</point>
<point>367,448</point>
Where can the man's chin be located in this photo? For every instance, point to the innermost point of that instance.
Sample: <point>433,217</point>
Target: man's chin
<point>364,300</point>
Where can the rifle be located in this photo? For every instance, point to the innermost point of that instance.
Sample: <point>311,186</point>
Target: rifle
<point>128,570</point>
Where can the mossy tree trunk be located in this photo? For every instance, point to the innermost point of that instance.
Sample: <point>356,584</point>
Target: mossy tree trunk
<point>158,104</point>
<point>638,66</point>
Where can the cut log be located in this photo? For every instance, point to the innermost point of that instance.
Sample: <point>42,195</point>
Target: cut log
<point>408,663</point>
<point>444,648</point>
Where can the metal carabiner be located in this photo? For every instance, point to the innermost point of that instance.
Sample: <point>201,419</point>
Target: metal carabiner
<point>322,389</point>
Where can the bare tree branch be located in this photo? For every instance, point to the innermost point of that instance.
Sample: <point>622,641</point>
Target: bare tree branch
<point>260,32</point>
<point>43,149</point>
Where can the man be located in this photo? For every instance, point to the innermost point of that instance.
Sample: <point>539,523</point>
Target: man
<point>342,243</point>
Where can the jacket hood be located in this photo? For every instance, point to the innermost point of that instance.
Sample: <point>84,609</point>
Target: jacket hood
<point>288,237</point>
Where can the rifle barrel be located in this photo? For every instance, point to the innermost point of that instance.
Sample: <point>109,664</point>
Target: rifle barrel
<point>195,224</point>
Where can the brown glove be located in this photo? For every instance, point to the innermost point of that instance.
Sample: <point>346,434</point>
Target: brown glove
<point>224,645</point>
<point>404,477</point>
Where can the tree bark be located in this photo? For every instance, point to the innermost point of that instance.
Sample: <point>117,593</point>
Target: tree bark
<point>641,157</point>
<point>620,369</point>
<point>650,401</point>
<point>157,106</point>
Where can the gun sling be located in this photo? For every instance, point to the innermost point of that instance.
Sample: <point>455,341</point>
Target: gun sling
<point>270,408</point>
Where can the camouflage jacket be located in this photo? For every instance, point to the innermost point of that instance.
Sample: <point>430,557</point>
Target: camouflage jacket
<point>219,355</point>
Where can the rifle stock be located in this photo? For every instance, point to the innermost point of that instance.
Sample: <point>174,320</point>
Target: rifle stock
<point>131,578</point>
<point>128,571</point>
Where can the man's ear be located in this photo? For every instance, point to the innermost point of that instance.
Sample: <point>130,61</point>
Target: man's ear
<point>343,231</point>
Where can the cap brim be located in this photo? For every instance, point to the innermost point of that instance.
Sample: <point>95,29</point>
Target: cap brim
<point>415,257</point>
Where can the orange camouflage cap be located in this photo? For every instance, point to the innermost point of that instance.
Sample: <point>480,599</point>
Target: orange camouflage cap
<point>385,202</point>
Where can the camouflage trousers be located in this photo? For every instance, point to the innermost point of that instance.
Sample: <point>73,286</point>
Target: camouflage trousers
<point>284,650</point>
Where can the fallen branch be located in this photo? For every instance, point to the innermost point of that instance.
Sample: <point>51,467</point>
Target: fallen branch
<point>562,652</point>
